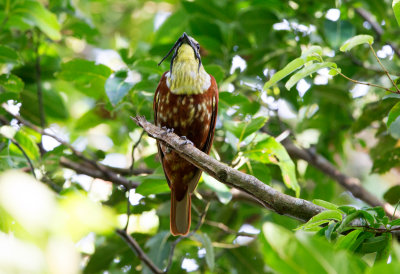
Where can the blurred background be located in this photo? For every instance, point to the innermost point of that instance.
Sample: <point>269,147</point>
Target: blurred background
<point>95,63</point>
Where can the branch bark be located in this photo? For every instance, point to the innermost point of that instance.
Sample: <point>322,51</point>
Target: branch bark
<point>350,183</point>
<point>267,196</point>
<point>95,173</point>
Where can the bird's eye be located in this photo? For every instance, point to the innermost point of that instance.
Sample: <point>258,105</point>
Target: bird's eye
<point>198,46</point>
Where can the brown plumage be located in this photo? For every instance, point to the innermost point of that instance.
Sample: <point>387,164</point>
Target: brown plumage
<point>192,113</point>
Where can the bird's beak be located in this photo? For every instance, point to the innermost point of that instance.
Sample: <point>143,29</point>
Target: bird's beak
<point>183,39</point>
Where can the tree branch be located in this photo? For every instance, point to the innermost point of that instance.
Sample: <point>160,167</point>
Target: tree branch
<point>139,252</point>
<point>95,173</point>
<point>87,166</point>
<point>350,183</point>
<point>269,197</point>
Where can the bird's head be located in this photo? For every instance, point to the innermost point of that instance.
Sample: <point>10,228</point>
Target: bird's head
<point>186,49</point>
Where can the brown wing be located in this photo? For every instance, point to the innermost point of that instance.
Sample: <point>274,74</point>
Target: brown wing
<point>161,85</point>
<point>207,146</point>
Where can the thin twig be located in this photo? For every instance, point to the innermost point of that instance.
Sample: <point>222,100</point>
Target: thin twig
<point>364,83</point>
<point>138,250</point>
<point>105,172</point>
<point>135,145</point>
<point>128,210</point>
<point>26,157</point>
<point>384,69</point>
<point>228,230</point>
<point>95,173</point>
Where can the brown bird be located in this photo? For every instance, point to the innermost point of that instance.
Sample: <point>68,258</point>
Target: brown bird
<point>186,101</point>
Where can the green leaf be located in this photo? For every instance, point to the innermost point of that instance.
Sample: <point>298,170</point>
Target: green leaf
<point>347,221</point>
<point>11,83</point>
<point>396,9</point>
<point>325,204</point>
<point>384,253</point>
<point>147,66</point>
<point>216,71</point>
<point>117,88</point>
<point>286,252</point>
<point>347,209</point>
<point>394,128</point>
<point>374,244</point>
<point>54,106</point>
<point>355,41</point>
<point>393,114</point>
<point>223,192</point>
<point>33,12</point>
<point>324,217</point>
<point>379,211</point>
<point>270,151</point>
<point>86,75</point>
<point>306,71</point>
<point>368,217</point>
<point>395,222</point>
<point>288,69</point>
<point>313,226</point>
<point>348,241</point>
<point>159,249</point>
<point>28,144</point>
<point>104,255</point>
<point>309,53</point>
<point>8,55</point>
<point>392,195</point>
<point>151,184</point>
<point>243,129</point>
<point>207,244</point>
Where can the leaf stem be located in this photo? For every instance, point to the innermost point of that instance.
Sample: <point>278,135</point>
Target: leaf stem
<point>364,83</point>
<point>384,69</point>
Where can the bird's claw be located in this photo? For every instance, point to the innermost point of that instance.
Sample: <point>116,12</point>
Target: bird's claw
<point>166,130</point>
<point>186,141</point>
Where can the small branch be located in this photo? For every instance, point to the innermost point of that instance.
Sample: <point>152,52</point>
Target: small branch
<point>90,167</point>
<point>95,173</point>
<point>26,157</point>
<point>350,183</point>
<point>364,83</point>
<point>227,230</point>
<point>267,196</point>
<point>133,151</point>
<point>128,210</point>
<point>138,250</point>
<point>384,69</point>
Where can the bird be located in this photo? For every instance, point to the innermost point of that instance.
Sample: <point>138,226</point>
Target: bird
<point>185,102</point>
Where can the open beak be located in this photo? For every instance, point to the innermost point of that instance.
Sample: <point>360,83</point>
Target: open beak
<point>183,39</point>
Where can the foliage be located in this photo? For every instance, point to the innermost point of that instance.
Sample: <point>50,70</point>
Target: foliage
<point>82,68</point>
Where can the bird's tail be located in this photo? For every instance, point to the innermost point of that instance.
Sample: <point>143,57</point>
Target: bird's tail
<point>180,214</point>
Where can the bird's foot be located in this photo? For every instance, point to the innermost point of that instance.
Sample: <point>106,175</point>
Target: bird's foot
<point>166,130</point>
<point>186,141</point>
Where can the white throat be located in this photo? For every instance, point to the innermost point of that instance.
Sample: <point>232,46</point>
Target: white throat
<point>187,78</point>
